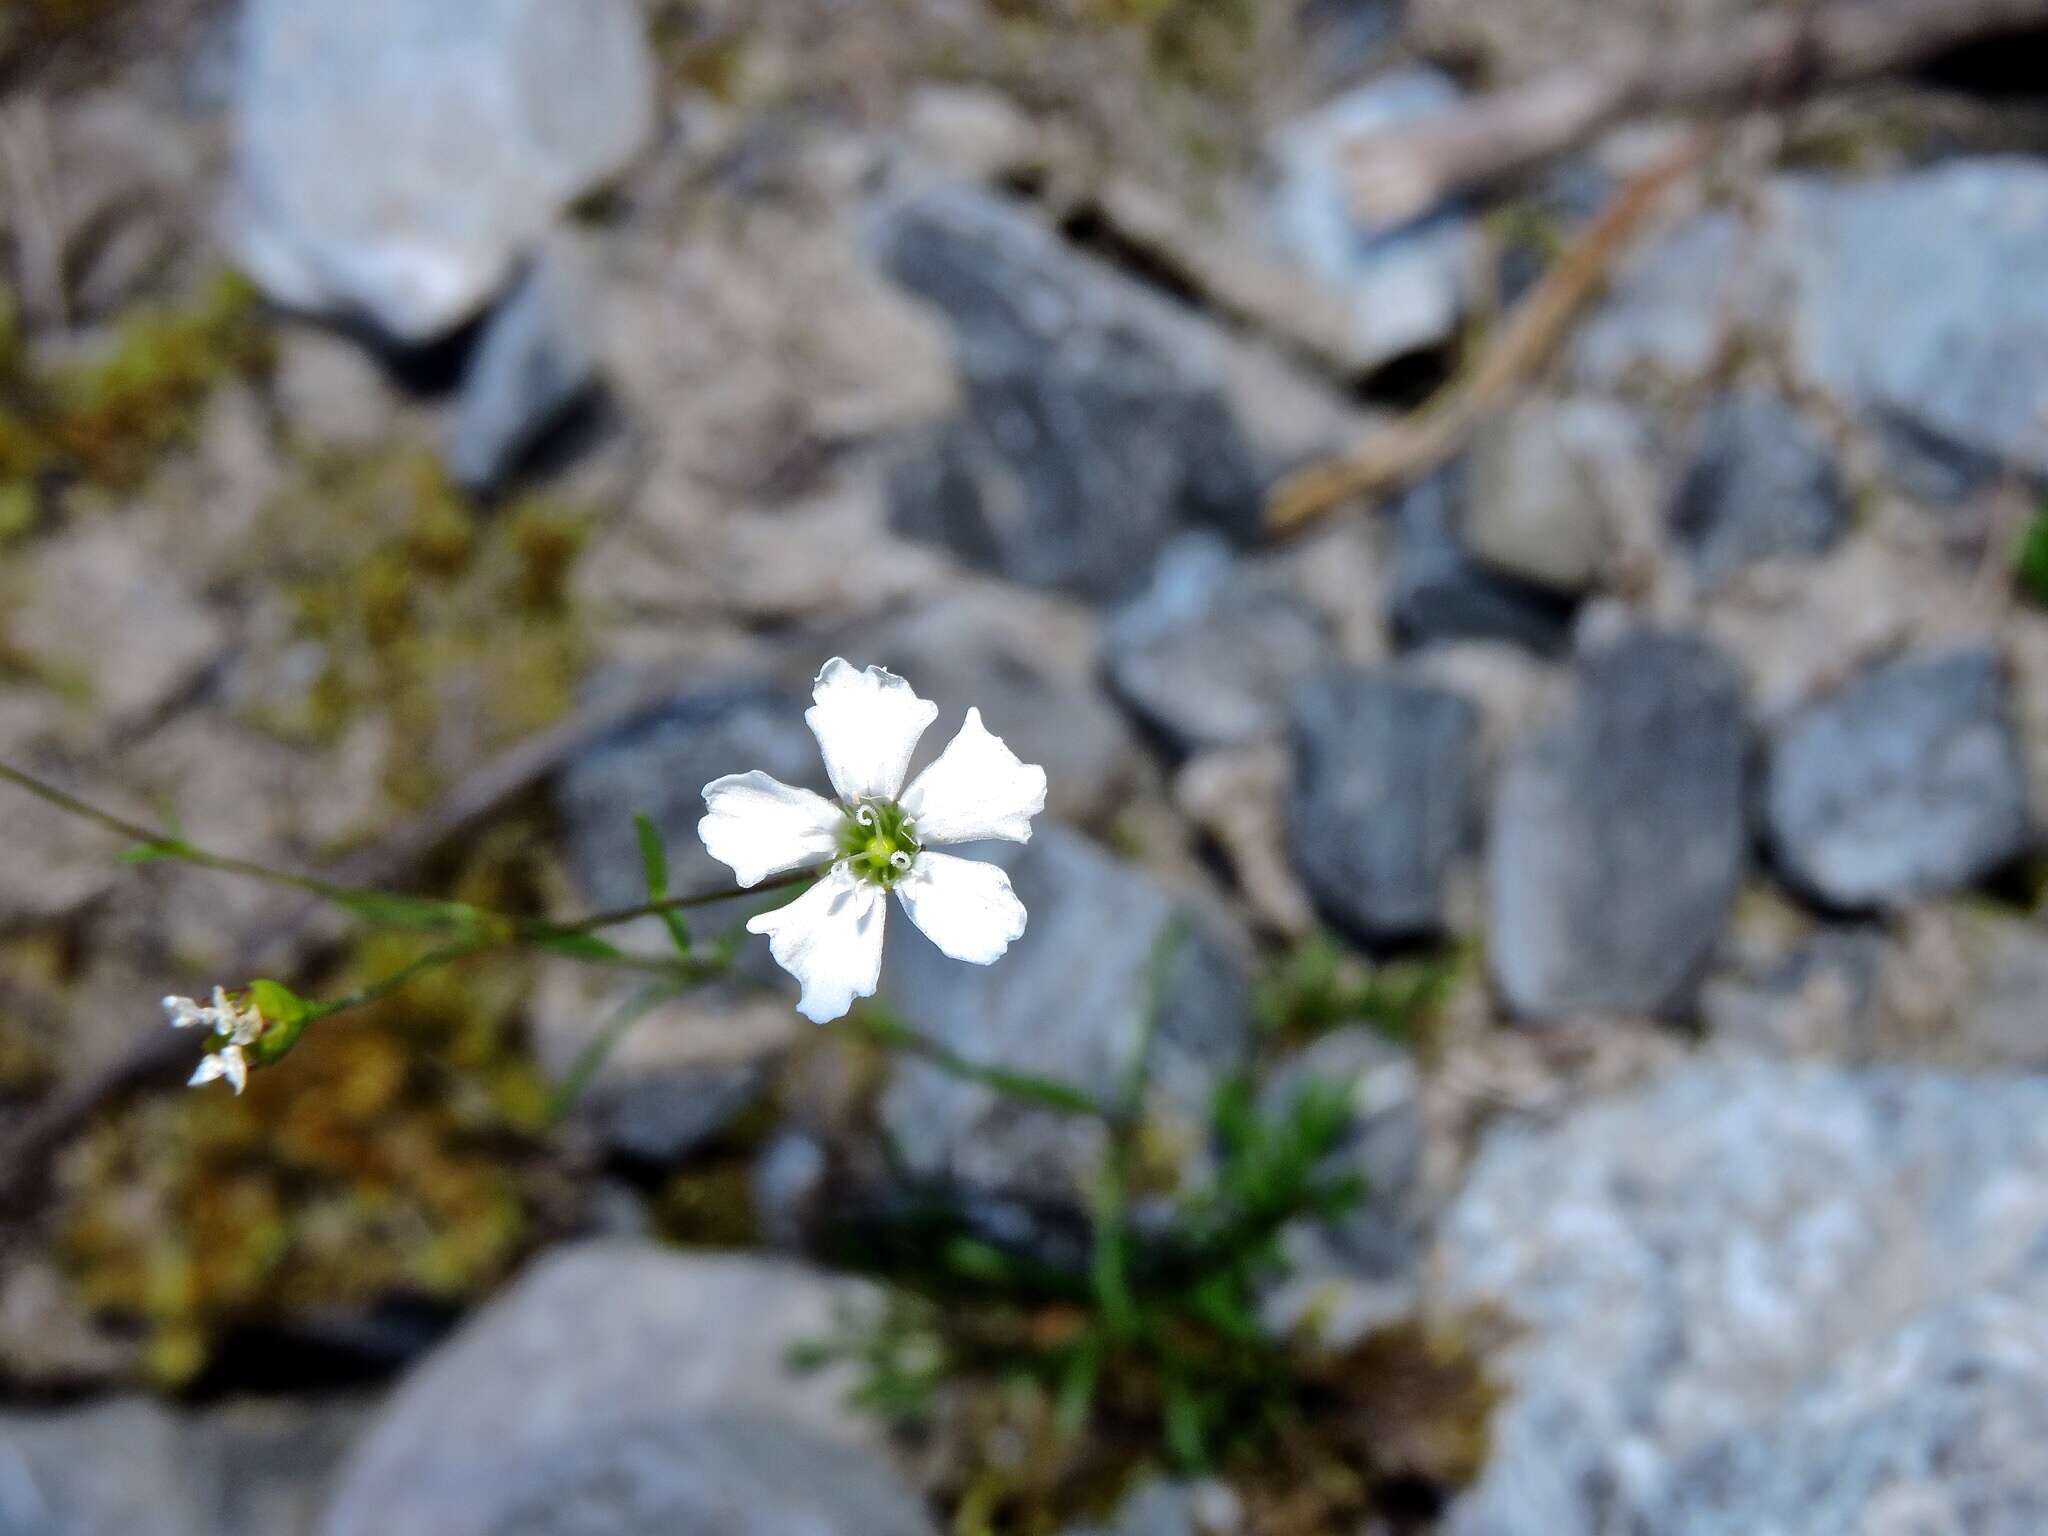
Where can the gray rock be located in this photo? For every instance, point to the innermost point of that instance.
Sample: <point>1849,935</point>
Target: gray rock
<point>1067,1002</point>
<point>711,1474</point>
<point>1095,423</point>
<point>1383,802</point>
<point>108,1470</point>
<point>534,362</point>
<point>1925,297</point>
<point>1539,507</point>
<point>1916,299</point>
<point>1208,655</point>
<point>397,158</point>
<point>602,1361</point>
<point>1765,1298</point>
<point>1906,782</point>
<point>657,767</point>
<point>1439,593</point>
<point>662,1118</point>
<point>1406,286</point>
<point>1761,485</point>
<point>1666,316</point>
<point>1619,837</point>
<point>1028,662</point>
<point>131,1467</point>
<point>1937,1428</point>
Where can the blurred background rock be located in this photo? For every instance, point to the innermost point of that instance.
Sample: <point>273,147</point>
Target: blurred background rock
<point>505,405</point>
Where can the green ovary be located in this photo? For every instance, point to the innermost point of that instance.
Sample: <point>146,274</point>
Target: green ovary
<point>874,833</point>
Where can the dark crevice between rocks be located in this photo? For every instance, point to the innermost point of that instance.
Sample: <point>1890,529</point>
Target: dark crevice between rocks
<point>1088,229</point>
<point>325,1352</point>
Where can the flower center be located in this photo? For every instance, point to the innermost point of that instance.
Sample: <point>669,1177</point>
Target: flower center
<point>878,842</point>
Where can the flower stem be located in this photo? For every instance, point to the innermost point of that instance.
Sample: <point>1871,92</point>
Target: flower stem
<point>157,843</point>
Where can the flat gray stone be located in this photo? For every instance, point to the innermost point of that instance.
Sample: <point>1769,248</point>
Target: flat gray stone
<point>1209,654</point>
<point>1924,298</point>
<point>1095,424</point>
<point>1406,286</point>
<point>603,1345</point>
<point>1762,1297</point>
<point>1384,799</point>
<point>1067,1002</point>
<point>534,362</point>
<point>1440,593</point>
<point>1907,782</point>
<point>1542,492</point>
<point>135,1467</point>
<point>395,159</point>
<point>1619,836</point>
<point>1762,485</point>
<point>1920,300</point>
<point>713,1474</point>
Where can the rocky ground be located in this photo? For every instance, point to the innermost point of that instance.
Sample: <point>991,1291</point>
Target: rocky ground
<point>1636,819</point>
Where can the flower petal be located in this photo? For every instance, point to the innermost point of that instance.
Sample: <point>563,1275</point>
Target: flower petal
<point>761,826</point>
<point>977,789</point>
<point>867,725</point>
<point>830,940</point>
<point>209,1068</point>
<point>964,906</point>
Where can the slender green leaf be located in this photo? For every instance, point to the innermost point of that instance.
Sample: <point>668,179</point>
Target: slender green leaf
<point>595,1054</point>
<point>654,864</point>
<point>577,946</point>
<point>150,853</point>
<point>1078,1381</point>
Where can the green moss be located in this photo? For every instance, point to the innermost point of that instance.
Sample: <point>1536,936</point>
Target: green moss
<point>399,1154</point>
<point>453,625</point>
<point>1319,986</point>
<point>108,418</point>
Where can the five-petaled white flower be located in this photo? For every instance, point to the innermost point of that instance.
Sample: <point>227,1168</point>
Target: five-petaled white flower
<point>877,838</point>
<point>237,1025</point>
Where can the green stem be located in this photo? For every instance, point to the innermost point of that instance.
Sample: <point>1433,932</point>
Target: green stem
<point>166,845</point>
<point>383,987</point>
<point>618,915</point>
<point>1045,1092</point>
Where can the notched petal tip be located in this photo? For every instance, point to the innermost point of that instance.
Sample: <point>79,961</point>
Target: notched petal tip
<point>868,724</point>
<point>830,940</point>
<point>977,790</point>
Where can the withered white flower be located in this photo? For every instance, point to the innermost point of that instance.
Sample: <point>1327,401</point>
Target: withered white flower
<point>237,1026</point>
<point>877,838</point>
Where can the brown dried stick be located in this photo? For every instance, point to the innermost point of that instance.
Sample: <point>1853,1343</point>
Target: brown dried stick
<point>1412,447</point>
<point>1401,175</point>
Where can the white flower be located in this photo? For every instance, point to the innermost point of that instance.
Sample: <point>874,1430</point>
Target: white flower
<point>877,838</point>
<point>237,1025</point>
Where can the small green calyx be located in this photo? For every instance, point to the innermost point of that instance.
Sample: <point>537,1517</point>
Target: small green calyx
<point>878,842</point>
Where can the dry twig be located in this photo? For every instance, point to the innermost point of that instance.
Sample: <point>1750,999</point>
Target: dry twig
<point>1773,59</point>
<point>1419,443</point>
